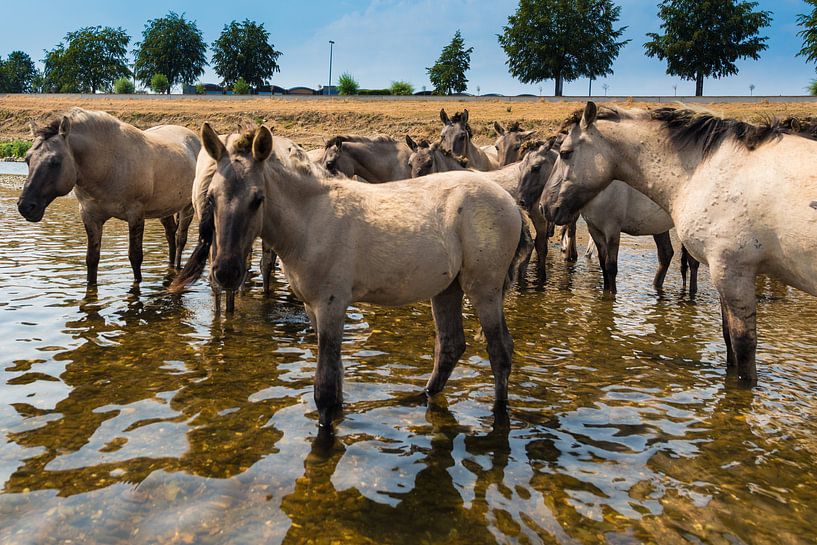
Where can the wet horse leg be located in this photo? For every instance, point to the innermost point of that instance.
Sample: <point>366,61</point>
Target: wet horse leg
<point>499,340</point>
<point>170,225</point>
<point>663,244</point>
<point>611,260</point>
<point>268,258</point>
<point>736,286</point>
<point>329,373</point>
<point>601,245</point>
<point>540,223</point>
<point>136,231</point>
<point>449,344</point>
<point>569,242</point>
<point>185,216</point>
<point>93,230</point>
<point>689,263</point>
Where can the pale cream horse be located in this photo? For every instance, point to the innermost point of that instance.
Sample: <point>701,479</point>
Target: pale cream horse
<point>457,136</point>
<point>342,242</point>
<point>115,171</point>
<point>743,198</point>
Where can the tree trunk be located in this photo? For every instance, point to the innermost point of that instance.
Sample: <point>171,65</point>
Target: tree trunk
<point>559,85</point>
<point>699,85</point>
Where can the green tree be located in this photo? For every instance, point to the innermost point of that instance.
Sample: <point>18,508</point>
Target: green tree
<point>243,51</point>
<point>401,88</point>
<point>124,86</point>
<point>347,85</point>
<point>448,73</point>
<point>173,46</point>
<point>159,83</point>
<point>809,33</point>
<point>562,40</point>
<point>703,38</point>
<point>91,59</point>
<point>17,73</point>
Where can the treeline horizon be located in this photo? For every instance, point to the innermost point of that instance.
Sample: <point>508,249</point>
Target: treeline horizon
<point>558,40</point>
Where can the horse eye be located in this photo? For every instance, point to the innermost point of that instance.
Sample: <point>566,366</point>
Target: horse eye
<point>256,202</point>
<point>536,168</point>
<point>565,153</point>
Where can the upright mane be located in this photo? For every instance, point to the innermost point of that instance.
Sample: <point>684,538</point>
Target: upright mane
<point>286,151</point>
<point>688,127</point>
<point>98,119</point>
<point>339,139</point>
<point>459,117</point>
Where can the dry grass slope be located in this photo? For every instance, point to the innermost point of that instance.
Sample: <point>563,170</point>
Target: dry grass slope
<point>310,122</point>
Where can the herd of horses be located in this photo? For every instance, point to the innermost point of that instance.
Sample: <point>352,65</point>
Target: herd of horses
<point>392,222</point>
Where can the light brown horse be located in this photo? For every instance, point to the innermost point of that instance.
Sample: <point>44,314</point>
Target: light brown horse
<point>743,198</point>
<point>510,144</point>
<point>342,242</point>
<point>456,137</point>
<point>375,160</point>
<point>115,171</point>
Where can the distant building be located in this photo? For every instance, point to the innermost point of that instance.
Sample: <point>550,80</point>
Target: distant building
<point>301,91</point>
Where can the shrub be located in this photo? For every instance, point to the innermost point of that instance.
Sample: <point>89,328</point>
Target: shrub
<point>241,87</point>
<point>347,85</point>
<point>14,148</point>
<point>374,92</point>
<point>159,83</point>
<point>812,87</point>
<point>401,88</point>
<point>200,89</point>
<point>124,86</point>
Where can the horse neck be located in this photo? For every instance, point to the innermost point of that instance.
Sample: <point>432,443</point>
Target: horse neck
<point>477,158</point>
<point>445,163</point>
<point>378,160</point>
<point>290,197</point>
<point>646,161</point>
<point>365,162</point>
<point>96,148</point>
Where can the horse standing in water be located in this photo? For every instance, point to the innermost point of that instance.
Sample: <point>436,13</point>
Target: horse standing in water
<point>743,198</point>
<point>617,209</point>
<point>456,138</point>
<point>115,171</point>
<point>342,242</point>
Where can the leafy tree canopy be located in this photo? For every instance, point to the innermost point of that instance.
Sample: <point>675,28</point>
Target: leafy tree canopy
<point>243,50</point>
<point>173,46</point>
<point>448,73</point>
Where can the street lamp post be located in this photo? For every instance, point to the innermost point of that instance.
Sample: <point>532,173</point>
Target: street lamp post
<point>329,89</point>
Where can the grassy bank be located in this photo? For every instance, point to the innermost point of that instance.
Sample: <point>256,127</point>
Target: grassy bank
<point>14,148</point>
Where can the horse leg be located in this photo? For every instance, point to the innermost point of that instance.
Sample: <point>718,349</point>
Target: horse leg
<point>568,241</point>
<point>170,225</point>
<point>136,231</point>
<point>446,307</point>
<point>611,260</point>
<point>268,258</point>
<point>328,390</point>
<point>694,264</point>
<point>727,339</point>
<point>185,217</point>
<point>93,230</point>
<point>500,343</point>
<point>601,245</point>
<point>540,223</point>
<point>736,287</point>
<point>663,244</point>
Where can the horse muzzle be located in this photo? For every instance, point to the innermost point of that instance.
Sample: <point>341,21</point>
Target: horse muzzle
<point>229,273</point>
<point>32,211</point>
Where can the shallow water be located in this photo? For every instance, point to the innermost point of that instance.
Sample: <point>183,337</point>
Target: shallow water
<point>133,416</point>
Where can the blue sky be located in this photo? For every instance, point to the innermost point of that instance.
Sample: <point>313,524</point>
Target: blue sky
<point>383,40</point>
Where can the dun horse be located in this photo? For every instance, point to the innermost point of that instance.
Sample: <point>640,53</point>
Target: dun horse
<point>617,209</point>
<point>742,197</point>
<point>376,160</point>
<point>115,171</point>
<point>510,144</point>
<point>342,242</point>
<point>456,138</point>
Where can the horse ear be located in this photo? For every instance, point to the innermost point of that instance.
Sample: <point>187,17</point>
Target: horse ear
<point>65,126</point>
<point>464,116</point>
<point>211,142</point>
<point>589,115</point>
<point>444,117</point>
<point>527,134</point>
<point>500,130</point>
<point>262,144</point>
<point>411,143</point>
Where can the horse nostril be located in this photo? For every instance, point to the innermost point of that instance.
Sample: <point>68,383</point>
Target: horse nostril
<point>228,275</point>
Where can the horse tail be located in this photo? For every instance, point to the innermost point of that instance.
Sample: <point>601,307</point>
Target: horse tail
<point>524,248</point>
<point>198,259</point>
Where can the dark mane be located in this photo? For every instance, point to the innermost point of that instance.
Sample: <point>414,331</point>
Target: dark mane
<point>242,142</point>
<point>604,113</point>
<point>514,127</point>
<point>803,126</point>
<point>335,140</point>
<point>47,131</point>
<point>458,118</point>
<point>687,127</point>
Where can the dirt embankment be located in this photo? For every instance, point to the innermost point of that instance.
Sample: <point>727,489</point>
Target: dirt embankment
<point>310,122</point>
